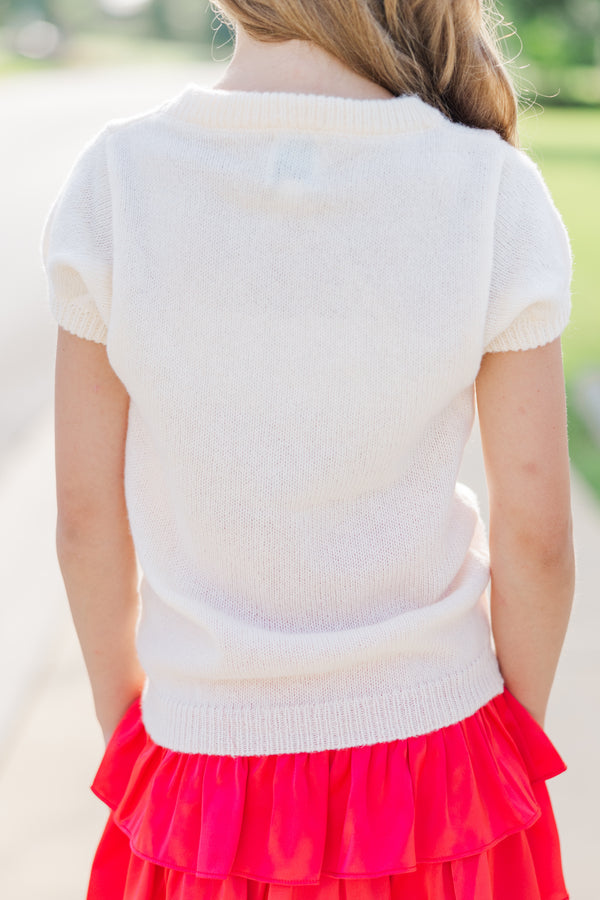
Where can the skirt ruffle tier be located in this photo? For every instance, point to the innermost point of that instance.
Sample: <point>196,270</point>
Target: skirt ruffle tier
<point>461,813</point>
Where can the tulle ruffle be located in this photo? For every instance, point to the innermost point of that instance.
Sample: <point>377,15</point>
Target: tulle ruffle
<point>462,813</point>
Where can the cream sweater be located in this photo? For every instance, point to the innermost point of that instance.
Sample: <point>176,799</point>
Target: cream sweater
<point>296,291</point>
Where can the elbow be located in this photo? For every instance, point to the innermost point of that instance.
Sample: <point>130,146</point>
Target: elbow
<point>550,544</point>
<point>556,544</point>
<point>554,552</point>
<point>73,530</point>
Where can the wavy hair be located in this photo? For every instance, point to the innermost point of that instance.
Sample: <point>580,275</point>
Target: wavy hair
<point>445,51</point>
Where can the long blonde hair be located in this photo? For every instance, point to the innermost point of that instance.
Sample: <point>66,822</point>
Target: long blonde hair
<point>445,51</point>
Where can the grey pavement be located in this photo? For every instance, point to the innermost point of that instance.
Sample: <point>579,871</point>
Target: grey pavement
<point>50,743</point>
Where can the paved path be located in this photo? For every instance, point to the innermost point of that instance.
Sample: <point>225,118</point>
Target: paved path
<point>50,744</point>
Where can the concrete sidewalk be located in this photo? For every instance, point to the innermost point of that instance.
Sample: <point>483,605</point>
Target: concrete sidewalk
<point>49,820</point>
<point>49,739</point>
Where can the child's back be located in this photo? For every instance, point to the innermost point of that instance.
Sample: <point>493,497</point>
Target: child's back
<point>302,288</point>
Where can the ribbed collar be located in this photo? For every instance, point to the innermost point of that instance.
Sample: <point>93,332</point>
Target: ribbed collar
<point>316,112</point>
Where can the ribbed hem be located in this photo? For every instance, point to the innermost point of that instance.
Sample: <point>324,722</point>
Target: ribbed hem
<point>527,332</point>
<point>254,731</point>
<point>80,321</point>
<point>316,112</point>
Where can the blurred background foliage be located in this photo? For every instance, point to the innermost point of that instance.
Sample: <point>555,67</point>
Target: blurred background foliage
<point>76,31</point>
<point>556,52</point>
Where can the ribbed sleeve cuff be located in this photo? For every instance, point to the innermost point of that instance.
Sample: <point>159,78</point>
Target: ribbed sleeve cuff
<point>525,333</point>
<point>80,320</point>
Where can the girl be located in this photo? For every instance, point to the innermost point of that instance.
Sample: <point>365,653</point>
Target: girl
<point>278,298</point>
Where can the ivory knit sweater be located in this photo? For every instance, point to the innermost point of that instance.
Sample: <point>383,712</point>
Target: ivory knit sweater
<point>296,291</point>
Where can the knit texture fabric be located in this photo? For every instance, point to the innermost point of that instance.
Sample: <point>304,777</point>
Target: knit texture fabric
<point>296,291</point>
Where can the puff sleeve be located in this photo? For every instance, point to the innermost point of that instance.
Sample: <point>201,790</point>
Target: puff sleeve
<point>529,300</point>
<point>76,245</point>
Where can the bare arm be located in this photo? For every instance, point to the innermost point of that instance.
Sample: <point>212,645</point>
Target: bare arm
<point>94,546</point>
<point>522,415</point>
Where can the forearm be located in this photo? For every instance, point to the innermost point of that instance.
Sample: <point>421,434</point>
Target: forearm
<point>530,605</point>
<point>99,570</point>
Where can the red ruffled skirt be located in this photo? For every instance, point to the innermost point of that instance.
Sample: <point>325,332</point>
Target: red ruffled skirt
<point>461,813</point>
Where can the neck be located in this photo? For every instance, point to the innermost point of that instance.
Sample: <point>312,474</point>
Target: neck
<point>294,66</point>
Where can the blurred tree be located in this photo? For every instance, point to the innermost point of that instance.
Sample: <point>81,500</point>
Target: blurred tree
<point>553,32</point>
<point>556,32</point>
<point>159,19</point>
<point>74,13</point>
<point>190,20</point>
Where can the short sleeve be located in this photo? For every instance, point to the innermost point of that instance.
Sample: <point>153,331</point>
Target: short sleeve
<point>529,300</point>
<point>76,246</point>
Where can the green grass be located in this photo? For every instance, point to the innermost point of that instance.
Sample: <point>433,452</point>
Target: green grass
<point>566,145</point>
<point>558,85</point>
